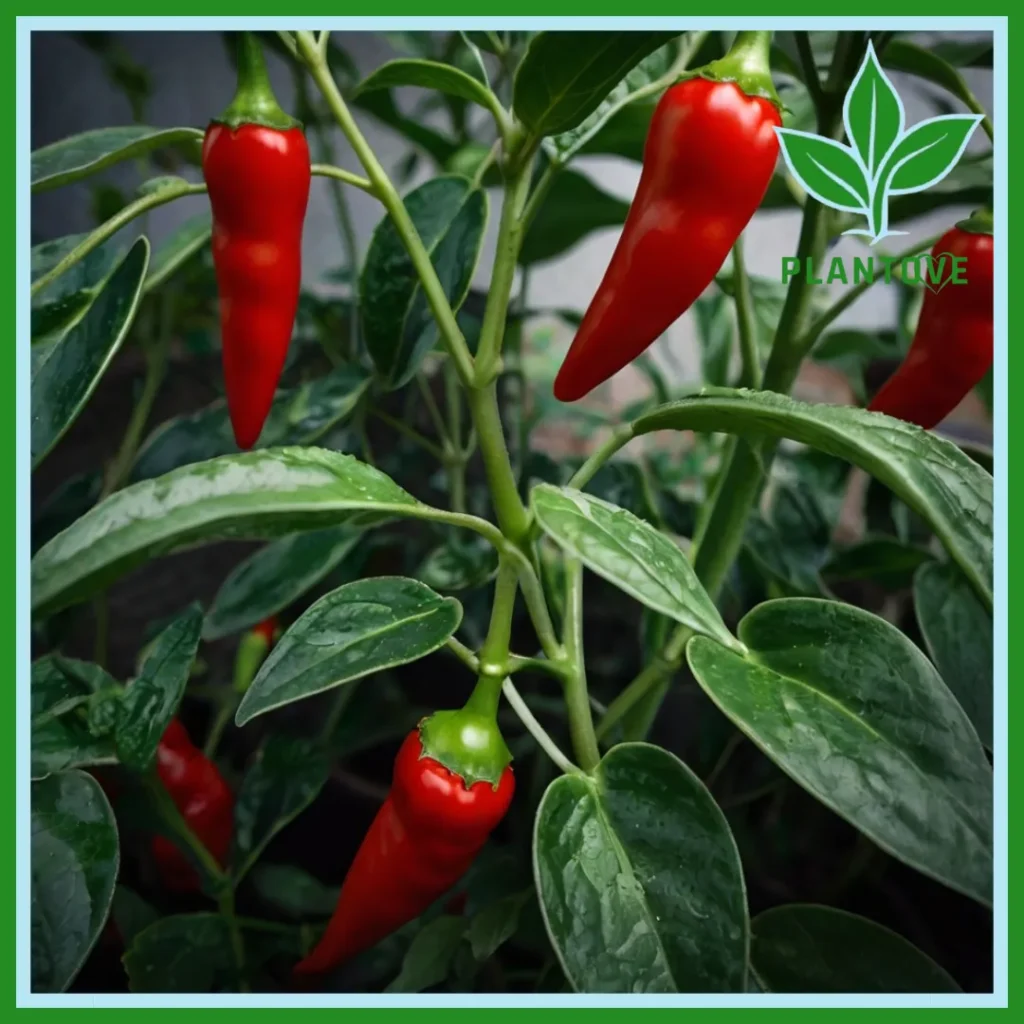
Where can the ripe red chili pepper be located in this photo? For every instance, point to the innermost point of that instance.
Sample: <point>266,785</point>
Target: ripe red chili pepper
<point>426,835</point>
<point>257,170</point>
<point>952,348</point>
<point>709,157</point>
<point>202,796</point>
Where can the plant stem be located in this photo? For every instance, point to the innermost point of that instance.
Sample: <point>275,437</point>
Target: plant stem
<point>536,730</point>
<point>328,170</point>
<point>650,675</point>
<point>170,814</point>
<point>494,653</point>
<point>810,69</point>
<point>225,713</point>
<point>226,905</point>
<point>577,702</point>
<point>464,654</point>
<point>432,409</point>
<point>619,437</point>
<point>411,433</point>
<point>539,194</point>
<point>750,376</point>
<point>455,454</point>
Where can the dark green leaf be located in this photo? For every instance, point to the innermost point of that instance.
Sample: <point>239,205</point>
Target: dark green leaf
<point>573,208</point>
<point>177,250</point>
<point>285,779</point>
<point>188,953</point>
<point>257,495</point>
<point>810,949</point>
<point>131,914</point>
<point>378,712</point>
<point>292,892</point>
<point>931,475</point>
<point>428,74</point>
<point>493,926</point>
<point>78,156</point>
<point>461,563</point>
<point>278,574</point>
<point>152,700</point>
<point>847,706</point>
<point>301,415</point>
<point>75,859</point>
<point>624,133</point>
<point>971,53</point>
<point>380,103</point>
<point>716,329</point>
<point>399,328</point>
<point>359,628</point>
<point>957,631</point>
<point>883,560</point>
<point>630,554</point>
<point>851,352</point>
<point>639,878</point>
<point>65,371</point>
<point>430,955</point>
<point>73,498</point>
<point>565,76</point>
<point>928,64</point>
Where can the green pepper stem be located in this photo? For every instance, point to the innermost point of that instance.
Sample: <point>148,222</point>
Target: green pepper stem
<point>254,101</point>
<point>747,64</point>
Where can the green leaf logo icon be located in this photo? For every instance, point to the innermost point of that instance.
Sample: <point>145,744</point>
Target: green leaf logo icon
<point>882,158</point>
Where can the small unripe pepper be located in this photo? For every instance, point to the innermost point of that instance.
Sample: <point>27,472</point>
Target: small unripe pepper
<point>451,787</point>
<point>708,160</point>
<point>257,170</point>
<point>952,348</point>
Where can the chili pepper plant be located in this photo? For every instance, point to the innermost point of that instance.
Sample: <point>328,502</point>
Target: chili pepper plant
<point>347,677</point>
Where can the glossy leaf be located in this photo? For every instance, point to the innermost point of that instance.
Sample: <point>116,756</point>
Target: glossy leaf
<point>131,914</point>
<point>152,699</point>
<point>75,859</point>
<point>957,631</point>
<point>359,628</point>
<point>624,133</point>
<point>648,74</point>
<point>639,879</point>
<point>186,953</point>
<point>573,208</point>
<point>938,481</point>
<point>461,563</point>
<point>293,892</point>
<point>496,923</point>
<point>929,64</point>
<point>399,328</point>
<point>65,371</point>
<point>430,955</point>
<point>256,495</point>
<point>847,706</point>
<point>285,779</point>
<point>177,250</point>
<point>802,948</point>
<point>629,553</point>
<point>275,576</point>
<point>380,103</point>
<point>564,76</point>
<point>428,74</point>
<point>882,560</point>
<point>299,415</point>
<point>79,156</point>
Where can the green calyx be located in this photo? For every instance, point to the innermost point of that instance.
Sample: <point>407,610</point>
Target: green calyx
<point>748,65</point>
<point>467,743</point>
<point>979,223</point>
<point>254,102</point>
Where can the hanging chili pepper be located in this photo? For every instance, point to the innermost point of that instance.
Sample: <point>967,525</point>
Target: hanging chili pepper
<point>257,170</point>
<point>253,648</point>
<point>202,796</point>
<point>952,348</point>
<point>452,785</point>
<point>709,157</point>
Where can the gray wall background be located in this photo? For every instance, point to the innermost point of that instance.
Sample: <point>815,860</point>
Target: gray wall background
<point>192,80</point>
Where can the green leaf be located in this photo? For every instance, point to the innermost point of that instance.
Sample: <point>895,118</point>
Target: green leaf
<point>61,738</point>
<point>79,156</point>
<point>883,560</point>
<point>378,712</point>
<point>642,81</point>
<point>380,103</point>
<point>825,169</point>
<point>131,914</point>
<point>848,707</point>
<point>450,216</point>
<point>275,576</point>
<point>428,74</point>
<point>359,628</point>
<point>72,498</point>
<point>938,481</point>
<point>957,631</point>
<point>639,879</point>
<point>928,152</point>
<point>930,65</point>
<point>65,371</point>
<point>461,563</point>
<point>624,133</point>
<point>496,923</point>
<point>285,779</point>
<point>716,329</point>
<point>872,113</point>
<point>293,892</point>
<point>573,208</point>
<point>851,352</point>
<point>187,953</point>
<point>174,252</point>
<point>74,861</point>
<point>564,76</point>
<point>811,949</point>
<point>256,495</point>
<point>629,553</point>
<point>152,700</point>
<point>430,955</point>
<point>301,415</point>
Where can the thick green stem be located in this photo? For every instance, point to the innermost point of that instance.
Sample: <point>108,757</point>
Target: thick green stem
<point>750,376</point>
<point>254,101</point>
<point>494,653</point>
<point>577,702</point>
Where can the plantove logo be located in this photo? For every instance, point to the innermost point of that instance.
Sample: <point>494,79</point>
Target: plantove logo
<point>884,158</point>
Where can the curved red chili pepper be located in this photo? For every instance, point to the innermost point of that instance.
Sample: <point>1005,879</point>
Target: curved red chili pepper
<point>423,840</point>
<point>709,157</point>
<point>952,348</point>
<point>257,170</point>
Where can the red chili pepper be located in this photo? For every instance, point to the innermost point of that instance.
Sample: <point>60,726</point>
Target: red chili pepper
<point>709,157</point>
<point>202,796</point>
<point>267,629</point>
<point>257,170</point>
<point>426,835</point>
<point>952,348</point>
